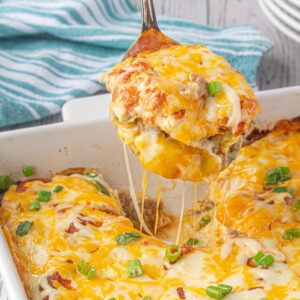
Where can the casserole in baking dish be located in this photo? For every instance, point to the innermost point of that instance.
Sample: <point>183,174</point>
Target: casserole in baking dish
<point>58,148</point>
<point>77,245</point>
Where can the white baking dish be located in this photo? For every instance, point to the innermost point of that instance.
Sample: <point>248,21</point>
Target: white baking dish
<point>94,142</point>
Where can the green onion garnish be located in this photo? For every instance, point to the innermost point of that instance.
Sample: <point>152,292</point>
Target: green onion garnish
<point>101,188</point>
<point>280,189</point>
<point>272,177</point>
<point>284,189</point>
<point>5,182</point>
<point>90,174</point>
<point>86,269</point>
<point>289,234</point>
<point>35,205</point>
<point>134,269</point>
<point>44,196</point>
<point>214,292</point>
<point>219,291</point>
<point>125,238</point>
<point>147,298</point>
<point>263,260</point>
<point>57,189</point>
<point>284,173</point>
<point>214,87</point>
<point>27,171</point>
<point>173,252</point>
<point>276,175</point>
<point>112,298</point>
<point>266,261</point>
<point>298,205</point>
<point>23,228</point>
<point>191,242</point>
<point>226,289</point>
<point>204,221</point>
<point>257,258</point>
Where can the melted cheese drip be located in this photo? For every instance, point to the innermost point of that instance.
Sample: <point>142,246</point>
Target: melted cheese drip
<point>131,190</point>
<point>157,204</point>
<point>181,216</point>
<point>144,184</point>
<point>195,198</point>
<point>228,188</point>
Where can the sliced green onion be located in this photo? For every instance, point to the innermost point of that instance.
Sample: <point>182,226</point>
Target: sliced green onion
<point>272,177</point>
<point>86,269</point>
<point>280,189</point>
<point>289,234</point>
<point>112,298</point>
<point>214,87</point>
<point>101,188</point>
<point>27,171</point>
<point>204,221</point>
<point>191,242</point>
<point>214,292</point>
<point>57,189</point>
<point>263,260</point>
<point>44,196</point>
<point>284,173</point>
<point>279,174</point>
<point>90,174</point>
<point>5,182</point>
<point>226,289</point>
<point>257,258</point>
<point>218,292</point>
<point>23,228</point>
<point>266,261</point>
<point>298,205</point>
<point>91,273</point>
<point>283,189</point>
<point>134,269</point>
<point>173,252</point>
<point>125,238</point>
<point>147,298</point>
<point>35,205</point>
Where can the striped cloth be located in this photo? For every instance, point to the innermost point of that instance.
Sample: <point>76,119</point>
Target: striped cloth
<point>54,51</point>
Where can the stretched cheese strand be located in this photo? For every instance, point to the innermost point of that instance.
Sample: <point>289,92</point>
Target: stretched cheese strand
<point>157,204</point>
<point>228,187</point>
<point>181,216</point>
<point>144,184</point>
<point>131,190</point>
<point>195,198</point>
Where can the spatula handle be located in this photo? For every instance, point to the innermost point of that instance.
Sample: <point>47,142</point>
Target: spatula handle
<point>149,17</point>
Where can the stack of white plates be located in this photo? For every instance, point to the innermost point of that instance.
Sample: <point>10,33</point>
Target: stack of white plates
<point>285,15</point>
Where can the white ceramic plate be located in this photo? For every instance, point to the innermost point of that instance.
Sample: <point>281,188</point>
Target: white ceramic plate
<point>277,12</point>
<point>94,142</point>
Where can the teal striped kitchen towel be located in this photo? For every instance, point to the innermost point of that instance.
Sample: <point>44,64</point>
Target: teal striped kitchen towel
<point>54,51</point>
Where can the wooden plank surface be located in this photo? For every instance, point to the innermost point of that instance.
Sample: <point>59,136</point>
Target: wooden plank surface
<point>279,68</point>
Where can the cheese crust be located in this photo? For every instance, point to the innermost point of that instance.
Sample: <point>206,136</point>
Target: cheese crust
<point>167,91</point>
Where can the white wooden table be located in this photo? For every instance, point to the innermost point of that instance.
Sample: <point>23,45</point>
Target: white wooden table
<point>279,68</point>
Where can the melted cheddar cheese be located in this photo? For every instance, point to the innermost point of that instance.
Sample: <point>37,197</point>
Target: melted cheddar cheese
<point>163,111</point>
<point>81,223</point>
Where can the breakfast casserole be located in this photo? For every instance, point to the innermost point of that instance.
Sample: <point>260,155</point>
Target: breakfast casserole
<point>70,240</point>
<point>181,109</point>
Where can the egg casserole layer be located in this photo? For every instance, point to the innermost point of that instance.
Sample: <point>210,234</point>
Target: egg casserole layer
<point>164,108</point>
<point>79,246</point>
